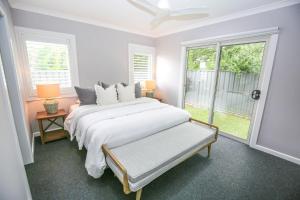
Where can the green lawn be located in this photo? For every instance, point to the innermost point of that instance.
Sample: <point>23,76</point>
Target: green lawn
<point>234,125</point>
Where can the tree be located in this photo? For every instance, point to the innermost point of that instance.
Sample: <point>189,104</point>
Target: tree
<point>197,55</point>
<point>47,56</point>
<point>235,58</point>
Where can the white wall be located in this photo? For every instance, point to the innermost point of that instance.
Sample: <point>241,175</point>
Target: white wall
<point>102,52</point>
<point>102,55</point>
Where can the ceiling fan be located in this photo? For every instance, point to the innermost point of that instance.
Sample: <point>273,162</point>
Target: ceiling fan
<point>162,12</point>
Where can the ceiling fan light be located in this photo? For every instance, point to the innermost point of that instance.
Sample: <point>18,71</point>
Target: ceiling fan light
<point>164,4</point>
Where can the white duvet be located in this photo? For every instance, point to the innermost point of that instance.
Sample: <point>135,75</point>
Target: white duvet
<point>117,125</point>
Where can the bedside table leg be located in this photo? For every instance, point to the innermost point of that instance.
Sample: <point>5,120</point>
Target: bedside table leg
<point>66,133</point>
<point>40,122</point>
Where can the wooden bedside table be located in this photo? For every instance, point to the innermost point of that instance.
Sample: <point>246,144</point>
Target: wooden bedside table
<point>159,99</point>
<point>47,136</point>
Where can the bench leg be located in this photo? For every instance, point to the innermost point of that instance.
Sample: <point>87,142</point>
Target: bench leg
<point>208,150</point>
<point>138,194</point>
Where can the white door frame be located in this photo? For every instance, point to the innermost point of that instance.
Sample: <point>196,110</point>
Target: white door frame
<point>11,72</point>
<point>14,183</point>
<point>271,36</point>
<point>264,86</point>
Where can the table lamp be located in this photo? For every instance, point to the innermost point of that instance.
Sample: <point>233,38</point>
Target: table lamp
<point>49,92</point>
<point>150,87</point>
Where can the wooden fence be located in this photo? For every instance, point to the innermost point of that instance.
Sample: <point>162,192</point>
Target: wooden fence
<point>233,91</point>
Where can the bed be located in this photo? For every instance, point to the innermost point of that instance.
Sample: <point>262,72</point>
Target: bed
<point>118,124</point>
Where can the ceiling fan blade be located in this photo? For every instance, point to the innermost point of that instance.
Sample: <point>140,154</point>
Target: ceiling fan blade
<point>157,21</point>
<point>146,5</point>
<point>189,11</point>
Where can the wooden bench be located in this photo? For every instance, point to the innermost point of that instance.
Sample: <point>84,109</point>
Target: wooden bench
<point>138,163</point>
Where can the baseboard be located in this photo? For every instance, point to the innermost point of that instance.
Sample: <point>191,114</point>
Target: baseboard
<point>34,135</point>
<point>32,146</point>
<point>278,154</point>
<point>258,147</point>
<point>37,133</point>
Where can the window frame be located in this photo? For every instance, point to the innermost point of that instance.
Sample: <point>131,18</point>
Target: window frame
<point>143,50</point>
<point>23,34</point>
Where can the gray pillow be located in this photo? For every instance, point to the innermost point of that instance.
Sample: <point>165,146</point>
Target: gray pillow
<point>137,88</point>
<point>86,96</point>
<point>104,85</point>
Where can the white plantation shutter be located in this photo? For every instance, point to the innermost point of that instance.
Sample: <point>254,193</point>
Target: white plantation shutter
<point>142,67</point>
<point>141,59</point>
<point>48,63</point>
<point>48,57</point>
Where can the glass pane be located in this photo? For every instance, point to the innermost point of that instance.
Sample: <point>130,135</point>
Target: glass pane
<point>240,68</point>
<point>49,63</point>
<point>199,81</point>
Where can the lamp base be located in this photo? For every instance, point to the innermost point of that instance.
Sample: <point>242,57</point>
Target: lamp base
<point>150,94</point>
<point>51,106</point>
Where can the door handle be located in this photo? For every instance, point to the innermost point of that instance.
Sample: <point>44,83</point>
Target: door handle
<point>255,94</point>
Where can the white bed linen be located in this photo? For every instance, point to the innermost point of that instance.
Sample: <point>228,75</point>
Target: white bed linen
<point>73,107</point>
<point>118,124</point>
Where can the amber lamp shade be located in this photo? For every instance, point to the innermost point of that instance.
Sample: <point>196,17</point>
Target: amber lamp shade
<point>150,85</point>
<point>49,92</point>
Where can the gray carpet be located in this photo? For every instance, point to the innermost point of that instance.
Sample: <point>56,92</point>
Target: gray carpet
<point>234,171</point>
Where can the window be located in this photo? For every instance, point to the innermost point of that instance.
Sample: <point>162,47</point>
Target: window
<point>141,61</point>
<point>47,57</point>
<point>48,63</point>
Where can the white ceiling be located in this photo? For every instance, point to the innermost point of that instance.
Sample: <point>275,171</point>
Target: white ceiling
<point>122,15</point>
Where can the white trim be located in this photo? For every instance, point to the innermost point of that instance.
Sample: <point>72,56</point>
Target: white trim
<point>266,77</point>
<point>32,147</point>
<point>8,111</point>
<point>268,34</point>
<point>8,47</point>
<point>182,78</point>
<point>237,15</point>
<point>23,33</point>
<point>234,36</point>
<point>233,137</point>
<point>277,153</point>
<point>36,134</point>
<point>43,11</point>
<point>205,22</point>
<point>215,83</point>
<point>142,49</point>
<point>265,149</point>
<point>62,96</point>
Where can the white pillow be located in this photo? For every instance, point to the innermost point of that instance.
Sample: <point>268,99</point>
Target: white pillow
<point>126,93</point>
<point>106,96</point>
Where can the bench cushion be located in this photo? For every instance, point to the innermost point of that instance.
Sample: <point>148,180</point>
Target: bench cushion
<point>159,152</point>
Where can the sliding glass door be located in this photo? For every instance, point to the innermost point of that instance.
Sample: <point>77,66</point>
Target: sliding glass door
<point>240,67</point>
<point>201,69</point>
<point>222,85</point>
